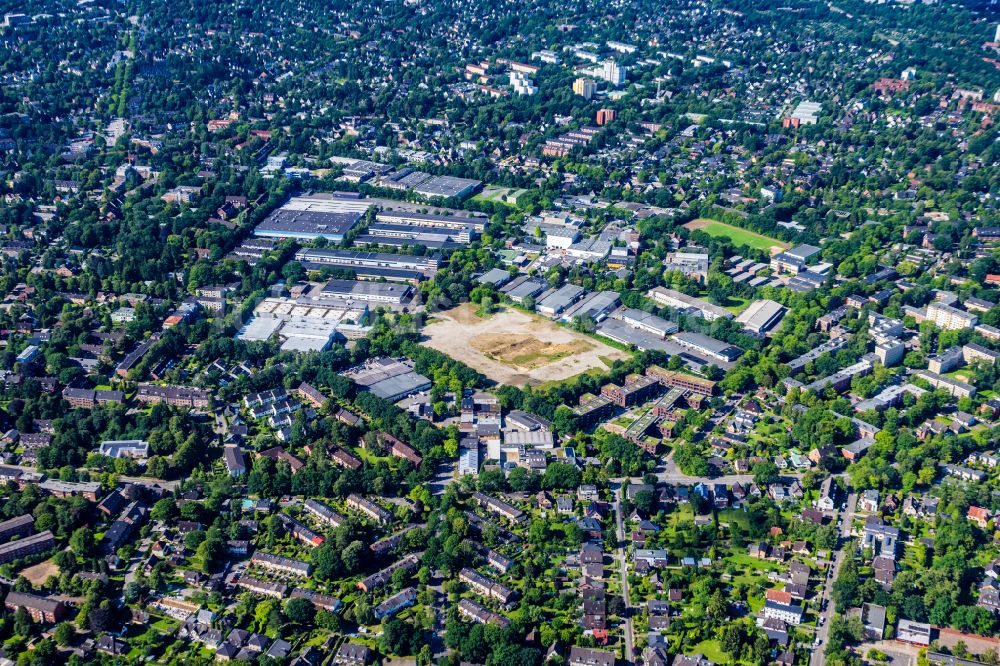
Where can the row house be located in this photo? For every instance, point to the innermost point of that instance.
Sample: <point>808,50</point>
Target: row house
<point>486,587</point>
<point>280,564</point>
<point>369,508</point>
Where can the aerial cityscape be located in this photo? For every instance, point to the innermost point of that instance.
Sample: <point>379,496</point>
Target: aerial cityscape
<point>492,333</point>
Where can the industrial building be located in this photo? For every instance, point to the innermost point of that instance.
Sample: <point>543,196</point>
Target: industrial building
<point>710,347</point>
<point>560,299</point>
<point>304,325</point>
<point>447,187</point>
<point>372,265</point>
<point>388,378</point>
<point>761,316</point>
<point>317,216</point>
<point>371,292</point>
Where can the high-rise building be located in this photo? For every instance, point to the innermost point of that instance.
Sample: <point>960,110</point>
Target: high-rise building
<point>612,72</point>
<point>996,35</point>
<point>585,88</point>
<point>605,116</point>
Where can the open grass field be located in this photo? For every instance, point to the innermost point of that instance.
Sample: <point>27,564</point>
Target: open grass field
<point>514,347</point>
<point>737,235</point>
<point>504,195</point>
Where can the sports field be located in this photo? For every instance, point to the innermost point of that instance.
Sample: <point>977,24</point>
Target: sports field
<point>737,235</point>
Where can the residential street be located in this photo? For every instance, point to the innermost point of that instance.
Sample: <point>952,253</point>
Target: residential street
<point>623,568</point>
<point>823,632</point>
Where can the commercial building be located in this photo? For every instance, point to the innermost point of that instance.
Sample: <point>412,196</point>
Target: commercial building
<point>692,264</point>
<point>426,220</point>
<point>595,306</point>
<point>644,321</point>
<point>381,233</point>
<point>688,304</point>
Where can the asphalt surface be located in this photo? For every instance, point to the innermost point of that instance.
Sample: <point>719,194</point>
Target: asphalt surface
<point>623,568</point>
<point>839,556</point>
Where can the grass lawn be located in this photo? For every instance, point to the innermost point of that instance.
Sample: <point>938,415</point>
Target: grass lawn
<point>498,194</point>
<point>738,235</point>
<point>737,305</point>
<point>712,650</point>
<point>746,561</point>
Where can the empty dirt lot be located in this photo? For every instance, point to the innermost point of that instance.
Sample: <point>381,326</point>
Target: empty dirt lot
<point>512,347</point>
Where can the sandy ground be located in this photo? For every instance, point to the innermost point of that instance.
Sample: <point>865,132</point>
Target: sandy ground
<point>41,572</point>
<point>512,347</point>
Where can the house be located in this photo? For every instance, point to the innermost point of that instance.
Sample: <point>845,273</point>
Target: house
<point>353,654</point>
<point>979,516</point>
<point>790,613</point>
<point>868,502</point>
<point>579,656</point>
<point>827,495</point>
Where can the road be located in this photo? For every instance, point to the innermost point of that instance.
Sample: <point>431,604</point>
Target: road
<point>823,631</point>
<point>140,480</point>
<point>623,566</point>
<point>668,472</point>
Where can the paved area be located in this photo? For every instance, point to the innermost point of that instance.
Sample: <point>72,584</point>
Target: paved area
<point>839,555</point>
<point>623,567</point>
